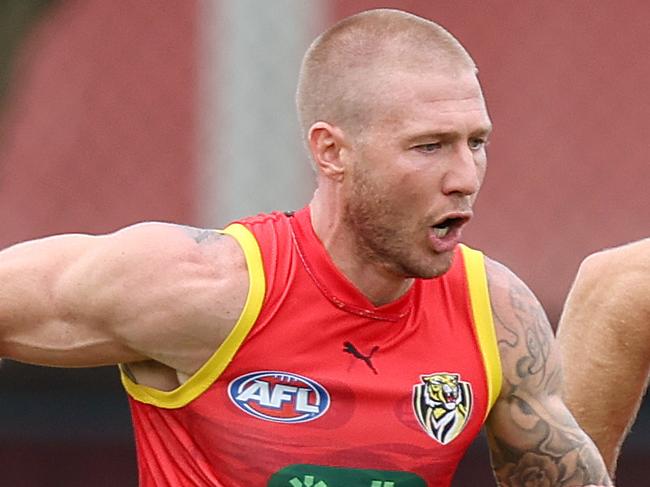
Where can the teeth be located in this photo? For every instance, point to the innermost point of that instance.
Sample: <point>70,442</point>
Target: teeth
<point>440,232</point>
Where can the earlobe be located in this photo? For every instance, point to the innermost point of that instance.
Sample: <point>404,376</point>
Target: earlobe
<point>325,143</point>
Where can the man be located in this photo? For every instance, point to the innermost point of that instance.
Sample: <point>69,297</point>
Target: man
<point>604,337</point>
<point>353,342</point>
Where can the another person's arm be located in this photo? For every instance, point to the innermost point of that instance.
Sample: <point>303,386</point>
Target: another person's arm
<point>148,294</point>
<point>604,337</point>
<point>533,438</point>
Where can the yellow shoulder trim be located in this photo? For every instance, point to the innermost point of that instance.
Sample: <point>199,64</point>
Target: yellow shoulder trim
<point>216,364</point>
<point>482,313</point>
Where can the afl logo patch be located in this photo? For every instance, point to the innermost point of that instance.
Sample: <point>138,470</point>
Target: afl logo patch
<point>282,397</point>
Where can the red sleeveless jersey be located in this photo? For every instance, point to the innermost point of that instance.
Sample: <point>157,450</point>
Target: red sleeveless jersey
<point>317,387</point>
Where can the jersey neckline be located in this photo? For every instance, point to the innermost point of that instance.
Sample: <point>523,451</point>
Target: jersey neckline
<point>333,284</point>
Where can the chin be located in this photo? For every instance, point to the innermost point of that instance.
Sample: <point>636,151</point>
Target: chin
<point>429,268</point>
<point>445,262</point>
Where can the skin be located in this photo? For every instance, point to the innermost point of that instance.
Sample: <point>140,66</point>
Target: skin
<point>533,438</point>
<point>161,297</point>
<point>604,340</point>
<point>429,145</point>
<point>156,296</point>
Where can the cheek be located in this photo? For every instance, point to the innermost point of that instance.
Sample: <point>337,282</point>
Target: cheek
<point>406,192</point>
<point>384,200</point>
<point>400,185</point>
<point>419,186</point>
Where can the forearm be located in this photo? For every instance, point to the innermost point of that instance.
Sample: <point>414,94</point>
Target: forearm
<point>26,296</point>
<point>45,314</point>
<point>534,444</point>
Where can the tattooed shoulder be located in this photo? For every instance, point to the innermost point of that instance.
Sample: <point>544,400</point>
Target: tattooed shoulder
<point>523,332</point>
<point>202,236</point>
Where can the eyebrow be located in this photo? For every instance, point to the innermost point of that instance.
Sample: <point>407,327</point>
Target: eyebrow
<point>485,130</point>
<point>449,134</point>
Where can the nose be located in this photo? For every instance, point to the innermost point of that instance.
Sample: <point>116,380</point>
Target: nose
<point>465,172</point>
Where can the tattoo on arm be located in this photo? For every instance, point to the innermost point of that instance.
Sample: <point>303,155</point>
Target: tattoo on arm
<point>534,443</point>
<point>530,334</point>
<point>202,236</point>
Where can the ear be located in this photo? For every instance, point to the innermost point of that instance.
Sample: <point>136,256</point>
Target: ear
<point>326,143</point>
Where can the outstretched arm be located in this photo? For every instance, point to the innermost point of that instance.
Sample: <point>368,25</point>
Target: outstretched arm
<point>604,338</point>
<point>533,438</point>
<point>151,291</point>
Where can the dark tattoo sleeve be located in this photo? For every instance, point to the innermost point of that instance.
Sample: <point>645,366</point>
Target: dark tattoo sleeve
<point>533,438</point>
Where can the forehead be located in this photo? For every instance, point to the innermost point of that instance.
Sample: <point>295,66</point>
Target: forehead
<point>411,101</point>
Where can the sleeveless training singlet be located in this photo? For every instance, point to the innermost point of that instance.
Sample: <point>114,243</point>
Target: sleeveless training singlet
<point>317,387</point>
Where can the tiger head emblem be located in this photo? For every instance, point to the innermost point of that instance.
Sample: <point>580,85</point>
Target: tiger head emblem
<point>442,404</point>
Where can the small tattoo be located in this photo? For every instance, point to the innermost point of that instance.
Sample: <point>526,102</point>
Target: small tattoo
<point>202,236</point>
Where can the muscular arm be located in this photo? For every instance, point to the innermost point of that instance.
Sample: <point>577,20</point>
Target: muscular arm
<point>604,337</point>
<point>533,438</point>
<point>152,291</point>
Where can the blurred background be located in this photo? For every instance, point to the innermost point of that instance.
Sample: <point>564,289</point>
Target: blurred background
<point>118,112</point>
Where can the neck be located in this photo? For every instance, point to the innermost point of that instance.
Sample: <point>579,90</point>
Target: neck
<point>374,279</point>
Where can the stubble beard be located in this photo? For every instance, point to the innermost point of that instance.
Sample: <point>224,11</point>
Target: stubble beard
<point>382,234</point>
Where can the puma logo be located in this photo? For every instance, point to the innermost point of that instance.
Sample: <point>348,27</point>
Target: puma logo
<point>348,347</point>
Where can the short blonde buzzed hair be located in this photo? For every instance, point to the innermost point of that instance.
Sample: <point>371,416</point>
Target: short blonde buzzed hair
<point>344,67</point>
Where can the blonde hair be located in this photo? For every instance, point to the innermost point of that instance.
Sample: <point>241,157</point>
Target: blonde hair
<point>343,68</point>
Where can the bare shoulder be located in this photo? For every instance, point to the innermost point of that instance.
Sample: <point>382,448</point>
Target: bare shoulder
<point>503,282</point>
<point>175,291</point>
<point>515,306</point>
<point>172,240</point>
<point>169,251</point>
<point>523,332</point>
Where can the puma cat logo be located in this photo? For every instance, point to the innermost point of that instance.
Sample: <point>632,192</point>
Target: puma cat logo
<point>348,347</point>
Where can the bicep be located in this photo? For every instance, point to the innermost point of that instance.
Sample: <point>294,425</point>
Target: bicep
<point>529,426</point>
<point>151,291</point>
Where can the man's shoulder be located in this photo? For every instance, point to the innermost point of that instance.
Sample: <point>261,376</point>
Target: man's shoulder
<point>157,248</point>
<point>513,302</point>
<point>501,277</point>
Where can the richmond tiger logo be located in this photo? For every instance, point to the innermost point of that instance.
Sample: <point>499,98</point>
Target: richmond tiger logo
<point>442,404</point>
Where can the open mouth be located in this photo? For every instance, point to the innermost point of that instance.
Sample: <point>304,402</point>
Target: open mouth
<point>450,397</point>
<point>440,230</point>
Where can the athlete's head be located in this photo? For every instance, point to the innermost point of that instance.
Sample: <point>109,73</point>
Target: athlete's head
<point>392,111</point>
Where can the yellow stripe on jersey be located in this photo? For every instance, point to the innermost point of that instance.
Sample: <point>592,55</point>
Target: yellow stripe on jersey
<point>482,313</point>
<point>212,369</point>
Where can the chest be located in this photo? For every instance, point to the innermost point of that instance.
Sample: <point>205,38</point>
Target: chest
<point>308,354</point>
<point>315,384</point>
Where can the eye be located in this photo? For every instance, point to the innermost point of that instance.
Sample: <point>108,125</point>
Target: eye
<point>477,143</point>
<point>431,147</point>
